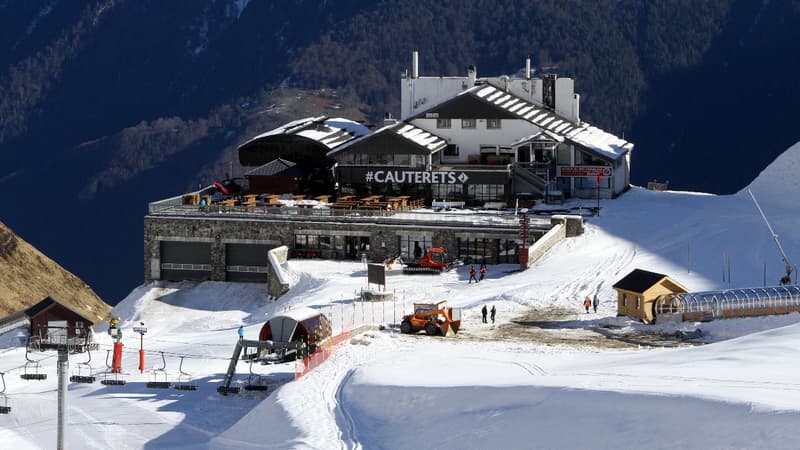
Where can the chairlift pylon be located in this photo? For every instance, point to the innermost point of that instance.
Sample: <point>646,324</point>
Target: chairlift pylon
<point>184,382</point>
<point>154,383</point>
<point>115,379</point>
<point>32,367</point>
<point>85,373</point>
<point>4,408</point>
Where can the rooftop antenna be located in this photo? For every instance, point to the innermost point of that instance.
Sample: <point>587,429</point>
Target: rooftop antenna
<point>786,279</point>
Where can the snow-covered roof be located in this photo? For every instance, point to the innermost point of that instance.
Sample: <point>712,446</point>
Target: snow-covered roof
<point>299,314</point>
<point>411,133</point>
<point>330,132</point>
<point>584,134</point>
<point>540,136</point>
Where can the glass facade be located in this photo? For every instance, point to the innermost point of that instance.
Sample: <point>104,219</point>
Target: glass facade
<point>412,247</point>
<point>494,251</point>
<point>486,192</point>
<point>329,246</point>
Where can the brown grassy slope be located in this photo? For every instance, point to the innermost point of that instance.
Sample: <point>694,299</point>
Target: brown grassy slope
<point>27,276</point>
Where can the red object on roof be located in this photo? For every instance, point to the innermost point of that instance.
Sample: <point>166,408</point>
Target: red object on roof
<point>221,188</point>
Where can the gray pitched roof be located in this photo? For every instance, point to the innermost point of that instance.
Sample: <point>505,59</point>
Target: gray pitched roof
<point>278,167</point>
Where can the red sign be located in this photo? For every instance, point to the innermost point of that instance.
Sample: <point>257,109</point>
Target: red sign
<point>584,171</point>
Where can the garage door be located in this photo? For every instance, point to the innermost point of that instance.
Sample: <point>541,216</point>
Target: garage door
<point>246,262</point>
<point>185,261</point>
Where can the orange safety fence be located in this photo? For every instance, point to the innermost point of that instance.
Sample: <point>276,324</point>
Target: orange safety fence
<point>321,354</point>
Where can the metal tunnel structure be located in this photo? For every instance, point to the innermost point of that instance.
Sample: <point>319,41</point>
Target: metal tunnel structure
<point>730,303</point>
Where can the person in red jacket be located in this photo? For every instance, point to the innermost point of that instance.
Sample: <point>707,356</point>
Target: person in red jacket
<point>587,303</point>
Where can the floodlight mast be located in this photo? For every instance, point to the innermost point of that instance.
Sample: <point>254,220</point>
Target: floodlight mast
<point>786,279</point>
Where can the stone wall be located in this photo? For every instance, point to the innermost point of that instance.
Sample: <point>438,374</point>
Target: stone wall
<point>219,231</point>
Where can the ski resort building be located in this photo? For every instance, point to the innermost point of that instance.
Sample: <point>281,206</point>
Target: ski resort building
<point>467,138</point>
<point>460,142</point>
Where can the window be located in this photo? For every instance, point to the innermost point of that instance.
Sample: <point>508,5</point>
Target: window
<point>442,123</point>
<point>624,301</point>
<point>492,124</point>
<point>486,192</point>
<point>451,149</point>
<point>638,303</point>
<point>467,123</point>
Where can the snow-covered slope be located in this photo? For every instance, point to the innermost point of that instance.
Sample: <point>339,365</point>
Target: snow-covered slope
<point>482,388</point>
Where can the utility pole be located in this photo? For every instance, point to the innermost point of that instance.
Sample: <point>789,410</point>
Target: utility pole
<point>597,180</point>
<point>63,368</point>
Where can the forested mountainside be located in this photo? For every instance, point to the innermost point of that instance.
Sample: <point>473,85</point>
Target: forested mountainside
<point>108,104</point>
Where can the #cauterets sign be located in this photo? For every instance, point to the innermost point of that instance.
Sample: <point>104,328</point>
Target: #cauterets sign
<point>415,177</point>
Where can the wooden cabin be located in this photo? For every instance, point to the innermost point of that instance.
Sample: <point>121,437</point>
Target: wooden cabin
<point>637,293</point>
<point>51,321</point>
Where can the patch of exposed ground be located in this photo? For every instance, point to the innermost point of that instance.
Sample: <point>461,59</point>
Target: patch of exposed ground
<point>555,326</point>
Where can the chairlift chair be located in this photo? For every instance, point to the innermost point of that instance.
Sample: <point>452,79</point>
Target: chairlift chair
<point>184,382</point>
<point>4,408</point>
<point>115,379</point>
<point>32,367</point>
<point>154,382</point>
<point>255,382</point>
<point>85,373</point>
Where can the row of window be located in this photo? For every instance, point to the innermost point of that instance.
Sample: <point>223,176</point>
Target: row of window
<point>326,246</point>
<point>386,159</point>
<point>493,251</point>
<point>480,192</point>
<point>469,124</point>
<point>412,247</point>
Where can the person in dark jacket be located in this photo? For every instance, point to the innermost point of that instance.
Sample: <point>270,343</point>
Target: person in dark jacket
<point>483,314</point>
<point>472,275</point>
<point>493,312</point>
<point>595,302</point>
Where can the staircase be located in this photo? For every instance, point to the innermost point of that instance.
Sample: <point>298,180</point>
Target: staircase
<point>530,177</point>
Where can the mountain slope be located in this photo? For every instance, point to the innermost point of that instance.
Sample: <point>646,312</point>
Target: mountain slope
<point>27,276</point>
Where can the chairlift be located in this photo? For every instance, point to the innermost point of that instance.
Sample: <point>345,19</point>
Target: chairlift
<point>85,373</point>
<point>255,382</point>
<point>32,367</point>
<point>115,379</point>
<point>184,382</point>
<point>4,408</point>
<point>154,382</point>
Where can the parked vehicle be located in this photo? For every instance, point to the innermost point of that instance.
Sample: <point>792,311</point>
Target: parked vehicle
<point>434,318</point>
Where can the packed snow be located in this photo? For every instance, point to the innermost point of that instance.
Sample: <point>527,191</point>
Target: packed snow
<point>732,386</point>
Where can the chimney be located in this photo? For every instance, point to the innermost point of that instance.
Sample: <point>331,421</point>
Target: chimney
<point>388,119</point>
<point>414,64</point>
<point>472,75</point>
<point>527,68</point>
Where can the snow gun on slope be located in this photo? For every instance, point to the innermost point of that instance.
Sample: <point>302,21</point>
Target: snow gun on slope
<point>435,261</point>
<point>434,318</point>
<point>786,279</point>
